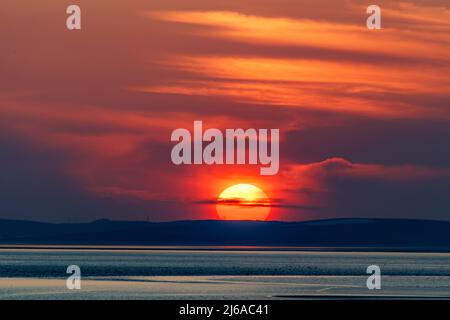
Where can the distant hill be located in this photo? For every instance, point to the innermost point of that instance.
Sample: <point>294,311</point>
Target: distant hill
<point>369,233</point>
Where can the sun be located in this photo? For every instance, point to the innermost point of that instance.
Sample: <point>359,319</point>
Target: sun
<point>243,202</point>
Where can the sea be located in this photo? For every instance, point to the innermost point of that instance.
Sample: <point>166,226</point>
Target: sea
<point>200,273</point>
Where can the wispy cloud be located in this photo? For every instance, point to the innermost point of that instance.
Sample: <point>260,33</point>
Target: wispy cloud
<point>330,80</point>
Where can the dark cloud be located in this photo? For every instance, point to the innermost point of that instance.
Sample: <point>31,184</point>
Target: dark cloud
<point>346,189</point>
<point>388,142</point>
<point>36,184</point>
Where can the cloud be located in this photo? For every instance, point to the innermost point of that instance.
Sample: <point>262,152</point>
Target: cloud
<point>343,188</point>
<point>317,32</point>
<point>393,142</point>
<point>327,65</point>
<point>41,183</point>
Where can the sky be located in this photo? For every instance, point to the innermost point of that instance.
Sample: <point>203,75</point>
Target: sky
<point>86,115</point>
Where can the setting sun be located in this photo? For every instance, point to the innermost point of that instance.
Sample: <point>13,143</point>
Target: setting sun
<point>243,202</point>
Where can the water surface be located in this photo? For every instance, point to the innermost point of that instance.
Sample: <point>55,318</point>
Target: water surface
<point>172,273</point>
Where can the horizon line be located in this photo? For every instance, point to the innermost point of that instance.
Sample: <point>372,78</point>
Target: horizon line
<point>220,220</point>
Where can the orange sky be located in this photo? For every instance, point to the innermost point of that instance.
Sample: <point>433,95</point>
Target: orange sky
<point>86,115</point>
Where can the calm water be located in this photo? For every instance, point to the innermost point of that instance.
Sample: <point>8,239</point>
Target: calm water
<point>218,274</point>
